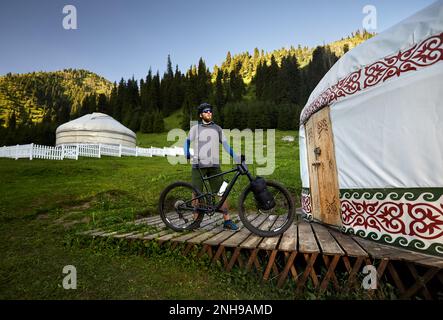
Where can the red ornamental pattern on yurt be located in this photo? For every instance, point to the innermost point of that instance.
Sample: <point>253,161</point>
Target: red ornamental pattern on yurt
<point>419,220</point>
<point>426,53</point>
<point>306,202</point>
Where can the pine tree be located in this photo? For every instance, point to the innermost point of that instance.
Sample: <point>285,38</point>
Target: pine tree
<point>237,85</point>
<point>270,89</point>
<point>159,124</point>
<point>102,104</point>
<point>113,101</point>
<point>145,91</point>
<point>155,94</point>
<point>166,86</point>
<point>120,101</point>
<point>219,95</point>
<point>62,116</point>
<point>227,65</point>
<point>12,122</point>
<point>203,82</point>
<point>191,99</point>
<point>134,124</point>
<point>146,123</point>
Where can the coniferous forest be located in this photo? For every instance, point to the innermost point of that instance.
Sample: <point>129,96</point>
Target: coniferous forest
<point>258,90</point>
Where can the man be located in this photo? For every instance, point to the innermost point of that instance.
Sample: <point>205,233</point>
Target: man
<point>206,136</point>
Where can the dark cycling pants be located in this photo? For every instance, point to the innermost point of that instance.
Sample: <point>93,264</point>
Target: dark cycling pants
<point>215,183</point>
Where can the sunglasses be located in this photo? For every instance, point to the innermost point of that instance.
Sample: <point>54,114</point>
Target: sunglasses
<point>207,111</point>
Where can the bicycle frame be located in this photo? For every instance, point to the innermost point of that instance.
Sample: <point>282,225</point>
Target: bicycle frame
<point>239,170</point>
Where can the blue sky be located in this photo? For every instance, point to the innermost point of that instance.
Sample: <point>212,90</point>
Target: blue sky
<point>124,38</point>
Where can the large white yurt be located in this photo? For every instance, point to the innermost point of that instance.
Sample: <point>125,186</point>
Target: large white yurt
<point>371,138</point>
<point>93,129</point>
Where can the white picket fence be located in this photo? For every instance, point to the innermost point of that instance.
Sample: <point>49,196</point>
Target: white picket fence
<point>73,151</point>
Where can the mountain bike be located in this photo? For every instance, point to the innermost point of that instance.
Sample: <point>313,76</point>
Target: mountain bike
<point>182,206</point>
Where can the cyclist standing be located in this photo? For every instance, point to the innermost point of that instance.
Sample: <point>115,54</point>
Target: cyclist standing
<point>206,137</point>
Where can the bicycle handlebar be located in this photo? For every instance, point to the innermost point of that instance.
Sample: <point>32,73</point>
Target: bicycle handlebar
<point>243,167</point>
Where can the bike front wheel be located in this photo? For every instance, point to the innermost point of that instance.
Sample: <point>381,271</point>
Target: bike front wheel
<point>178,204</point>
<point>267,223</point>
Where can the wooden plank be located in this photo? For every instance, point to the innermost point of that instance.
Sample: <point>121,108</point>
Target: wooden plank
<point>380,251</point>
<point>375,250</point>
<point>123,235</point>
<point>186,236</point>
<point>253,240</point>
<point>152,229</point>
<point>328,245</point>
<point>289,239</point>
<point>155,222</point>
<point>351,247</point>
<point>155,235</point>
<point>219,238</point>
<point>160,222</point>
<point>222,236</point>
<point>175,220</point>
<point>205,226</point>
<point>206,235</point>
<point>98,233</point>
<point>89,232</point>
<point>107,234</point>
<point>147,220</point>
<point>430,262</point>
<point>135,236</point>
<point>262,220</point>
<point>306,239</point>
<point>168,236</point>
<point>270,243</point>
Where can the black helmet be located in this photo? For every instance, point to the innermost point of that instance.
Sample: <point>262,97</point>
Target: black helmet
<point>202,107</point>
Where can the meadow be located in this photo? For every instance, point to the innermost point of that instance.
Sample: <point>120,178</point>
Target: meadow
<point>45,204</point>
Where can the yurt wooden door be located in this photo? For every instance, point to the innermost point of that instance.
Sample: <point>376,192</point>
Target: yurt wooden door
<point>323,179</point>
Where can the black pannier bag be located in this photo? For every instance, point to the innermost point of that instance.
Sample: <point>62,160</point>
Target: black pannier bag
<point>264,198</point>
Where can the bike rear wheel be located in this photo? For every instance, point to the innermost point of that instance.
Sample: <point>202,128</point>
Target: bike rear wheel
<point>177,206</point>
<point>267,223</point>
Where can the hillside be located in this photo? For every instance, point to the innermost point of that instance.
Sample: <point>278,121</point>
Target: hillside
<point>248,63</point>
<point>31,95</point>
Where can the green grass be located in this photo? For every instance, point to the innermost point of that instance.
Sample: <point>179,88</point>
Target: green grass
<point>45,203</point>
<point>173,120</point>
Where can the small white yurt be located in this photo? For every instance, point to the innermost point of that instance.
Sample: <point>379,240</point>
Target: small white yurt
<point>371,138</point>
<point>93,129</point>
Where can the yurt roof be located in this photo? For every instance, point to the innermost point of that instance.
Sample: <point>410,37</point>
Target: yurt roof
<point>418,38</point>
<point>98,122</point>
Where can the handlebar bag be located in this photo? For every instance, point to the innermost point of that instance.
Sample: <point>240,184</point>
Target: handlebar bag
<point>263,197</point>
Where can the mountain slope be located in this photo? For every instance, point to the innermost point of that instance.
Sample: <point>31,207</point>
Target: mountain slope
<point>31,95</point>
<point>247,63</point>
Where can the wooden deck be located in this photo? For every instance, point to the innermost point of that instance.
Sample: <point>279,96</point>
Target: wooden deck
<point>305,252</point>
